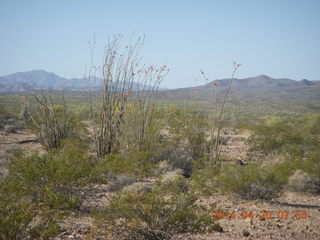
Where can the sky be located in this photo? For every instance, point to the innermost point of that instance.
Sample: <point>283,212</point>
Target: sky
<point>279,38</point>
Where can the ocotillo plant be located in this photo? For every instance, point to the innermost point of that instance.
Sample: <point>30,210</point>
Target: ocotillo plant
<point>122,79</point>
<point>141,114</point>
<point>51,122</point>
<point>218,120</point>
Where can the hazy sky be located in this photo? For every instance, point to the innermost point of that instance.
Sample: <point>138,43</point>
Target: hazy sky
<point>280,38</point>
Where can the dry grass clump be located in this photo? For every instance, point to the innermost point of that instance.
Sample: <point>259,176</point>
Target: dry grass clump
<point>137,187</point>
<point>119,181</point>
<point>172,176</point>
<point>301,181</point>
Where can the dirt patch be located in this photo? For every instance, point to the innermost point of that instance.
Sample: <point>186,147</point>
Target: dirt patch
<point>25,139</point>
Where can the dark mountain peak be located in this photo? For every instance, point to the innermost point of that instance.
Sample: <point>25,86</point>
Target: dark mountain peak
<point>263,76</point>
<point>307,82</point>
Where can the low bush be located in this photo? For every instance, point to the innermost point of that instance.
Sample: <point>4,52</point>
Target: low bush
<point>301,181</point>
<point>202,181</point>
<point>187,129</point>
<point>14,216</point>
<point>52,178</point>
<point>46,225</point>
<point>172,159</point>
<point>134,164</point>
<point>158,214</point>
<point>276,134</point>
<point>118,182</point>
<point>250,182</point>
<point>298,136</point>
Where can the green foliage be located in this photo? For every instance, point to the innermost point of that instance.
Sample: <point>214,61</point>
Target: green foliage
<point>14,216</point>
<point>47,227</point>
<point>158,214</point>
<point>3,113</point>
<point>312,163</point>
<point>297,141</point>
<point>187,129</point>
<point>134,164</point>
<point>54,123</point>
<point>250,182</point>
<point>275,133</point>
<point>201,180</point>
<point>295,135</point>
<point>52,178</point>
<point>286,166</point>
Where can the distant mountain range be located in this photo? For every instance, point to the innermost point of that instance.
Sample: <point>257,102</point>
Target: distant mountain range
<point>40,79</point>
<point>259,87</point>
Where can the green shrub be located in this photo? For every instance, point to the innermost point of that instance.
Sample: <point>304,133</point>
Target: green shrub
<point>187,129</point>
<point>301,181</point>
<point>312,163</point>
<point>132,164</point>
<point>47,227</point>
<point>157,214</point>
<point>203,181</point>
<point>14,216</point>
<point>284,167</point>
<point>298,136</point>
<point>171,159</point>
<point>4,113</point>
<point>275,133</point>
<point>52,178</point>
<point>250,182</point>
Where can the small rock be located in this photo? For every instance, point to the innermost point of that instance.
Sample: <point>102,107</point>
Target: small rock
<point>78,236</point>
<point>240,162</point>
<point>246,233</point>
<point>10,129</point>
<point>217,228</point>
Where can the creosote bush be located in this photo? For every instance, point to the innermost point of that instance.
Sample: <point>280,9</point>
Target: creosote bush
<point>47,226</point>
<point>52,178</point>
<point>14,216</point>
<point>250,182</point>
<point>296,141</point>
<point>133,164</point>
<point>157,214</point>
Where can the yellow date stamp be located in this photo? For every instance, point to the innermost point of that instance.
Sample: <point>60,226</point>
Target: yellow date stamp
<point>263,214</point>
